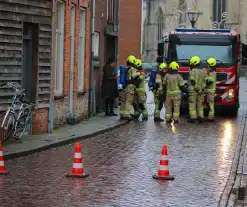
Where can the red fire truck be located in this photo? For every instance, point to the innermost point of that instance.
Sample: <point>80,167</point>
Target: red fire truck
<point>223,45</point>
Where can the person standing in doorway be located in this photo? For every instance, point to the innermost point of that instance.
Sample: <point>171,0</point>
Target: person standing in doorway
<point>109,87</point>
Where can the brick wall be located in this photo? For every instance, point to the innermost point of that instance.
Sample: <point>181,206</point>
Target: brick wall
<point>40,121</point>
<point>100,23</point>
<point>80,101</point>
<point>130,29</point>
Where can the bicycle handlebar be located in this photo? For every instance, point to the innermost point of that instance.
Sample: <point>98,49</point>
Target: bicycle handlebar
<point>14,85</point>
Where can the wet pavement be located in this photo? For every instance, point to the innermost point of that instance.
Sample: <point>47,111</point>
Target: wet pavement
<point>121,164</point>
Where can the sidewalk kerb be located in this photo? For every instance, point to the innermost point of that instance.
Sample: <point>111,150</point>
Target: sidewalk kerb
<point>61,143</point>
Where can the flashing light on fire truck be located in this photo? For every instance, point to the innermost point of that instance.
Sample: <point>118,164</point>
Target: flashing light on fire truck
<point>231,93</point>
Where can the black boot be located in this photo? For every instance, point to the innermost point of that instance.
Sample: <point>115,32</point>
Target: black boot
<point>169,121</point>
<point>209,120</point>
<point>135,116</point>
<point>127,118</point>
<point>112,113</point>
<point>144,118</point>
<point>107,108</point>
<point>200,120</point>
<point>158,119</point>
<point>191,120</point>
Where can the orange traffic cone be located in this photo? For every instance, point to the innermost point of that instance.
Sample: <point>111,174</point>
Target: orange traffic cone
<point>77,170</point>
<point>2,167</point>
<point>163,173</point>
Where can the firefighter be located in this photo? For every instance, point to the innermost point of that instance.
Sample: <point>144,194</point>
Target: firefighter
<point>196,85</point>
<point>174,84</point>
<point>153,74</point>
<point>159,92</point>
<point>132,80</point>
<point>135,103</point>
<point>211,86</point>
<point>122,93</point>
<point>140,106</point>
<point>122,102</point>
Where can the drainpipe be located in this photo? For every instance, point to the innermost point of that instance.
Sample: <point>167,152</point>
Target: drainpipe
<point>141,30</point>
<point>117,38</point>
<point>51,103</point>
<point>117,44</point>
<point>91,73</point>
<point>71,80</point>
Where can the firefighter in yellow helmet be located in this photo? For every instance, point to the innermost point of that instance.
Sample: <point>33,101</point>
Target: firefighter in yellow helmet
<point>196,85</point>
<point>211,86</point>
<point>140,106</point>
<point>174,84</point>
<point>132,82</point>
<point>159,92</point>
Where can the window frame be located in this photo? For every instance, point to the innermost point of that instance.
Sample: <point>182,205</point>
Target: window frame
<point>81,61</point>
<point>96,47</point>
<point>110,10</point>
<point>59,48</point>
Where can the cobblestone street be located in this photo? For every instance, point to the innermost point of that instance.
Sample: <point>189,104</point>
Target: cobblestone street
<point>121,164</point>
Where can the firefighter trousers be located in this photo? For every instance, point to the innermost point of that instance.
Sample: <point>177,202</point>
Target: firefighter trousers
<point>141,104</point>
<point>158,105</point>
<point>196,105</point>
<point>173,103</point>
<point>122,102</point>
<point>210,100</point>
<point>129,99</point>
<point>135,106</point>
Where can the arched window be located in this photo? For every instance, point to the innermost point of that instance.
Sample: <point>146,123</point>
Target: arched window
<point>183,7</point>
<point>161,23</point>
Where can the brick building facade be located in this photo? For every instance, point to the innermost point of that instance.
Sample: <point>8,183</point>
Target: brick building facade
<point>130,29</point>
<point>59,88</point>
<point>106,42</point>
<point>72,62</point>
<point>25,51</point>
<point>159,16</point>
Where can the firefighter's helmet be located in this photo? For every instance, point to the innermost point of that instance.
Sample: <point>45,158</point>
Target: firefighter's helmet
<point>195,60</point>
<point>174,66</point>
<point>138,63</point>
<point>162,66</point>
<point>131,59</point>
<point>211,62</point>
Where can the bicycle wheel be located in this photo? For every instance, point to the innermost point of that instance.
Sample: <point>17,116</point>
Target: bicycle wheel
<point>8,128</point>
<point>21,123</point>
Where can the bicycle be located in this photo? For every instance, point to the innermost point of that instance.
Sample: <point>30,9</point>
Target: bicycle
<point>15,121</point>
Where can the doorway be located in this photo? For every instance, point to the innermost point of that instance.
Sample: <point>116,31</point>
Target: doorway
<point>30,60</point>
<point>110,47</point>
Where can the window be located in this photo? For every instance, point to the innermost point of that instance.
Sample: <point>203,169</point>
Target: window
<point>81,51</point>
<point>59,49</point>
<point>221,53</point>
<point>219,7</point>
<point>160,24</point>
<point>96,44</point>
<point>182,16</point>
<point>110,10</point>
